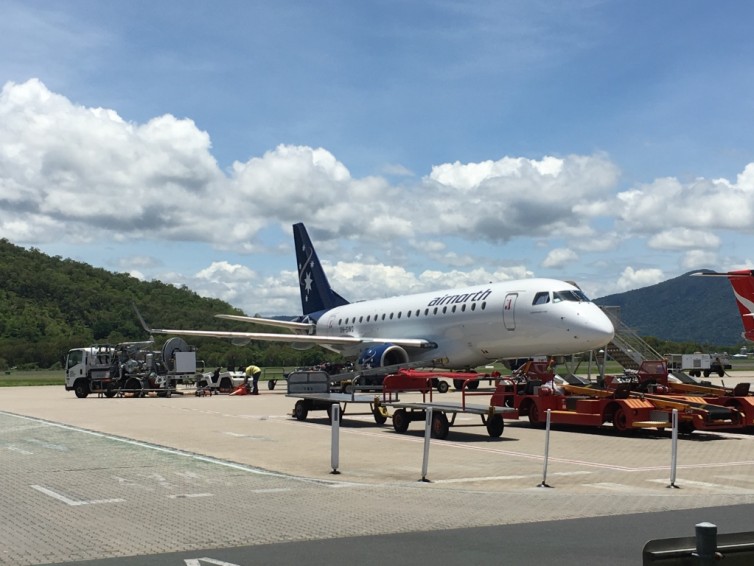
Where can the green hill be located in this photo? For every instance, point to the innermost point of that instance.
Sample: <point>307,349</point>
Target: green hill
<point>50,304</point>
<point>684,309</point>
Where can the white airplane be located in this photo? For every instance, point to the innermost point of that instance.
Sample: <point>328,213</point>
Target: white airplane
<point>455,328</point>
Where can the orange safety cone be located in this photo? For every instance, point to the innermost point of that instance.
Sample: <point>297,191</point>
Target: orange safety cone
<point>241,390</point>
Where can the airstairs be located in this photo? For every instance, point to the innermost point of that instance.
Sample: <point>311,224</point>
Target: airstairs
<point>627,347</point>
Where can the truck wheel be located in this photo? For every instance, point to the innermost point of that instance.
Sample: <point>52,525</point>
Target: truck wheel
<point>534,415</point>
<point>400,421</point>
<point>440,426</point>
<point>685,427</point>
<point>271,384</point>
<point>330,412</point>
<point>442,386</point>
<point>620,420</point>
<point>495,426</point>
<point>81,389</point>
<point>134,387</point>
<point>110,392</point>
<point>380,415</point>
<point>300,410</point>
<point>458,384</point>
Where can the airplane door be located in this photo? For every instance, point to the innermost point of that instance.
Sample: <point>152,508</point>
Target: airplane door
<point>509,311</point>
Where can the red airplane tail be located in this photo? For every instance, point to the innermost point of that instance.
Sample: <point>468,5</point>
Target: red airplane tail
<point>743,287</point>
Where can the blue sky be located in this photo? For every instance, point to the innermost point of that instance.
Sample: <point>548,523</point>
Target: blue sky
<point>424,144</point>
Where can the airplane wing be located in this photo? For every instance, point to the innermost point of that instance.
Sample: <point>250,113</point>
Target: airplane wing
<point>297,338</point>
<point>241,337</point>
<point>295,326</point>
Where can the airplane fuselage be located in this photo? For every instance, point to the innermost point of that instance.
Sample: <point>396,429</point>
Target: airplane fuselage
<point>474,325</point>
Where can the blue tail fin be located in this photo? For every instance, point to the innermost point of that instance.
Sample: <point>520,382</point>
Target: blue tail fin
<point>316,294</point>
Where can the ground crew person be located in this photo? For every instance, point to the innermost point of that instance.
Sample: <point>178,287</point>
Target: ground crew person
<point>254,372</point>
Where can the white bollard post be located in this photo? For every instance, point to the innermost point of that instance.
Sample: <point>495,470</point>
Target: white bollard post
<point>547,451</point>
<point>335,444</point>
<point>674,450</point>
<point>427,436</point>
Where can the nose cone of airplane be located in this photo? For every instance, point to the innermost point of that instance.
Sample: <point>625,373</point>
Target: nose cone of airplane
<point>595,328</point>
<point>592,328</point>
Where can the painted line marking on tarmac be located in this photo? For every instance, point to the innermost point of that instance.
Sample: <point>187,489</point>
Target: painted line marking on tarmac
<point>736,477</point>
<point>613,486</point>
<point>13,448</point>
<point>502,478</point>
<point>72,502</point>
<point>176,452</point>
<point>45,444</point>
<point>198,562</point>
<point>189,495</point>
<point>387,435</point>
<point>709,486</point>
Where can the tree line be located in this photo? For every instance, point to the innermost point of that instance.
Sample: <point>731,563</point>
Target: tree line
<point>49,305</point>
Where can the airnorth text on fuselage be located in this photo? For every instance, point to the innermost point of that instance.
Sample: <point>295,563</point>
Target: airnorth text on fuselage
<point>455,299</point>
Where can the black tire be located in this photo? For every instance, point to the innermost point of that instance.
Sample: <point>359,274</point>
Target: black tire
<point>380,415</point>
<point>81,389</point>
<point>685,427</point>
<point>495,426</point>
<point>440,426</point>
<point>110,392</point>
<point>721,373</point>
<point>300,410</point>
<point>442,386</point>
<point>134,386</point>
<point>472,385</point>
<point>400,421</point>
<point>329,414</point>
<point>534,416</point>
<point>271,384</point>
<point>458,384</point>
<point>620,420</point>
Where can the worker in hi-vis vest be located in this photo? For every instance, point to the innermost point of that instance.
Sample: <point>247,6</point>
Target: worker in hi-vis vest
<point>254,372</point>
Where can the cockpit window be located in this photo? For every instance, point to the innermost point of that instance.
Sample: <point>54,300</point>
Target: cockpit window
<point>574,296</point>
<point>541,298</point>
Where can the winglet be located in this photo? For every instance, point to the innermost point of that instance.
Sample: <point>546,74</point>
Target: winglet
<point>316,294</point>
<point>141,319</point>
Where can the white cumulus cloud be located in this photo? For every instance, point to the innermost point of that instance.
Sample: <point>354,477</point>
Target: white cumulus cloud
<point>560,257</point>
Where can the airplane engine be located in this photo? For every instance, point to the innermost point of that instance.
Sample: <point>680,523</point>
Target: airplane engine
<point>382,355</point>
